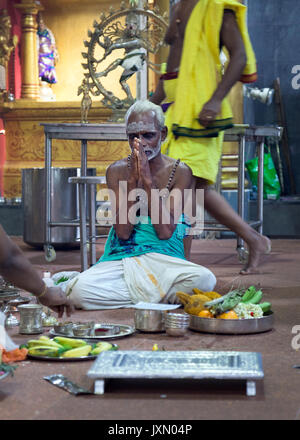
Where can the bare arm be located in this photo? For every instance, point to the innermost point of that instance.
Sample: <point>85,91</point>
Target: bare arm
<point>120,183</point>
<point>231,38</point>
<point>17,269</point>
<point>159,94</point>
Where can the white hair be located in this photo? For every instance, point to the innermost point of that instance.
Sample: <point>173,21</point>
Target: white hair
<point>142,106</point>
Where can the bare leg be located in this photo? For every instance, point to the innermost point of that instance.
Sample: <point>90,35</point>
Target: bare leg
<point>218,208</point>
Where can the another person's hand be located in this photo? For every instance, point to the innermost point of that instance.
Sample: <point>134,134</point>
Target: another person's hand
<point>209,112</point>
<point>56,300</point>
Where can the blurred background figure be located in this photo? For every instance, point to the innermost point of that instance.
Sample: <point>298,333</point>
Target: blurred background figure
<point>47,59</point>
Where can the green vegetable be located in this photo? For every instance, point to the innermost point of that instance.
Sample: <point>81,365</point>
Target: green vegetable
<point>226,302</point>
<point>61,280</point>
<point>8,368</point>
<point>252,296</point>
<point>266,306</point>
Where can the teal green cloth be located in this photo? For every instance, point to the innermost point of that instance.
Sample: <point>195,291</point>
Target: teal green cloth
<point>143,240</point>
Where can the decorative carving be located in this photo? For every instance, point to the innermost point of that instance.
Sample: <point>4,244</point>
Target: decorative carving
<point>135,31</point>
<point>7,43</point>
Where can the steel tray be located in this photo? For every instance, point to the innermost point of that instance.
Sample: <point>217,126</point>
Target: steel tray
<point>232,326</point>
<point>121,331</point>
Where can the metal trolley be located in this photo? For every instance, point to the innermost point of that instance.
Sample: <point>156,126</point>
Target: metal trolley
<point>117,132</point>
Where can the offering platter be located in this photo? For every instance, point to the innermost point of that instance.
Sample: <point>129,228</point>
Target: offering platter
<point>61,359</point>
<point>103,331</point>
<point>232,326</point>
<point>194,365</point>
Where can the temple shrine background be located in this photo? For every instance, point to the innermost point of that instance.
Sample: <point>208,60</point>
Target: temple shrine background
<point>22,146</point>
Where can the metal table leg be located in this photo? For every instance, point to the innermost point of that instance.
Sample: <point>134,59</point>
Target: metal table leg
<point>83,234</point>
<point>82,207</point>
<point>48,248</point>
<point>47,188</point>
<point>241,189</point>
<point>92,223</point>
<point>260,186</point>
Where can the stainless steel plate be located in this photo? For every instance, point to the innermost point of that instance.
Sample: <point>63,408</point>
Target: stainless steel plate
<point>120,331</point>
<point>232,326</point>
<point>61,359</point>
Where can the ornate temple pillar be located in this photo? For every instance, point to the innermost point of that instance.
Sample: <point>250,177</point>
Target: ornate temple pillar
<point>30,74</point>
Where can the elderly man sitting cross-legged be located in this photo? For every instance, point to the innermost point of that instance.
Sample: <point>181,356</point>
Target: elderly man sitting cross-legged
<point>143,258</point>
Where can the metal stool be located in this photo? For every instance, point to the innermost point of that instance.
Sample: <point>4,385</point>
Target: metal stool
<point>87,182</point>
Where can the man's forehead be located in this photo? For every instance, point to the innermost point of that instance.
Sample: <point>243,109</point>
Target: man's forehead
<point>139,126</point>
<point>146,121</point>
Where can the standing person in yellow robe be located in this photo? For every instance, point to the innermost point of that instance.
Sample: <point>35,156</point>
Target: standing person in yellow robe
<point>194,91</point>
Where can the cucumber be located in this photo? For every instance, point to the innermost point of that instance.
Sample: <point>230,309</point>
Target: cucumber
<point>265,306</point>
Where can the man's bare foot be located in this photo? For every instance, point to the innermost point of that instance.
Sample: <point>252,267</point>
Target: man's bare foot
<point>261,245</point>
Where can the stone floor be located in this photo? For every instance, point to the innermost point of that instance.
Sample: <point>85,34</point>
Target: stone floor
<point>27,396</point>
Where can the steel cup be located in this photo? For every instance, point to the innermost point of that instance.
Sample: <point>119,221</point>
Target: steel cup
<point>30,319</point>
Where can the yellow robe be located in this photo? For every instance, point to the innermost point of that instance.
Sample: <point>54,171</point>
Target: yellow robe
<point>199,75</point>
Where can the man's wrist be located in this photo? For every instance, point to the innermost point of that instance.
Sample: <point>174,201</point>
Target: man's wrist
<point>43,292</point>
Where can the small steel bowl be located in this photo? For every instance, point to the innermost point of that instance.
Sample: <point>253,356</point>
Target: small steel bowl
<point>64,328</point>
<point>176,331</point>
<point>151,321</point>
<point>176,323</point>
<point>88,324</point>
<point>82,330</point>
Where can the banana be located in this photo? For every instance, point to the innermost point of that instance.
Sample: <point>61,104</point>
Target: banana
<point>44,338</point>
<point>210,295</point>
<point>78,352</point>
<point>42,343</point>
<point>43,350</point>
<point>69,342</point>
<point>184,297</point>
<point>266,306</point>
<point>101,346</point>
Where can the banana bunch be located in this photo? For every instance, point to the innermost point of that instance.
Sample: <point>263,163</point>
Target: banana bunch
<point>65,347</point>
<point>211,295</point>
<point>44,346</point>
<point>193,304</point>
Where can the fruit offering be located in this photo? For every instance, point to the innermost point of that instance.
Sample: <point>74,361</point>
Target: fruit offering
<point>63,347</point>
<point>236,304</point>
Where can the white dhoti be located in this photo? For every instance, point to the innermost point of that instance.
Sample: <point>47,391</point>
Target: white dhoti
<point>149,278</point>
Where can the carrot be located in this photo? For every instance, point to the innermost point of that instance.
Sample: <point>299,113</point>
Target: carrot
<point>18,354</point>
